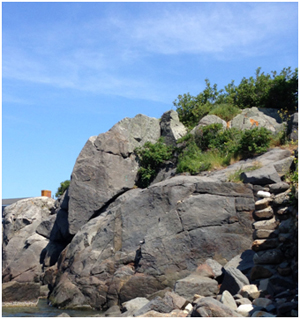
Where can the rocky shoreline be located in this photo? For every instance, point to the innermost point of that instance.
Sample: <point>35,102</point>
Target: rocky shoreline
<point>184,246</point>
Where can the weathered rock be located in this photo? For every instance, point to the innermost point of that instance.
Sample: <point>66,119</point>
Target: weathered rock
<point>272,256</point>
<point>270,224</point>
<point>245,310</point>
<point>106,167</point>
<point>283,166</point>
<point>261,176</point>
<point>174,217</point>
<point>228,300</point>
<point>175,300</point>
<point>63,314</point>
<point>260,272</point>
<point>215,266</point>
<point>209,307</point>
<point>265,233</point>
<point>243,301</point>
<point>171,128</point>
<point>262,302</point>
<point>205,270</point>
<point>233,281</point>
<point>22,246</point>
<point>279,187</point>
<point>262,203</point>
<point>286,226</point>
<point>16,291</point>
<point>253,117</point>
<point>211,119</point>
<point>263,244</point>
<point>243,261</point>
<point>263,214</point>
<point>263,194</point>
<point>292,130</point>
<point>249,291</point>
<point>189,286</point>
<point>157,304</point>
<point>45,227</point>
<point>134,304</point>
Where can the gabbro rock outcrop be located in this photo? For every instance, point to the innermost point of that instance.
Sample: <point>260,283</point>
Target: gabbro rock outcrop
<point>24,239</point>
<point>182,221</point>
<point>106,167</point>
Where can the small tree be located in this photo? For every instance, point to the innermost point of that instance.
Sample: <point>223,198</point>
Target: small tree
<point>62,188</point>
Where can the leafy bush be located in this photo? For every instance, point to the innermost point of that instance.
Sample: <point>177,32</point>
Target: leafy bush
<point>191,160</point>
<point>206,134</point>
<point>263,90</point>
<point>62,188</point>
<point>253,142</point>
<point>225,111</point>
<point>151,156</point>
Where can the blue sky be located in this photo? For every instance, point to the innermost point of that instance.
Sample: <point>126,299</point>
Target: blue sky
<point>73,70</point>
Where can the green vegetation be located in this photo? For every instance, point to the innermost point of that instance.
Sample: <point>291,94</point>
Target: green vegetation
<point>212,146</point>
<point>235,177</point>
<point>62,188</point>
<point>278,91</point>
<point>151,156</point>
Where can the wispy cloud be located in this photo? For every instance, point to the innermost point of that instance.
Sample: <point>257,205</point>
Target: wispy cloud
<point>109,55</point>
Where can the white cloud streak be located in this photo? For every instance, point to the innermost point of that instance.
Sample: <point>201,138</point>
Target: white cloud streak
<point>106,56</point>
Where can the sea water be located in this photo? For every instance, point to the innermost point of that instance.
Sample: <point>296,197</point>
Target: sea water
<point>44,310</point>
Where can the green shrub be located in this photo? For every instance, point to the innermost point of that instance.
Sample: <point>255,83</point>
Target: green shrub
<point>62,188</point>
<point>225,111</point>
<point>204,135</point>
<point>253,142</point>
<point>191,160</point>
<point>150,157</point>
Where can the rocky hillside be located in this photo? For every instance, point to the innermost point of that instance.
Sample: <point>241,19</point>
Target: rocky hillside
<point>106,242</point>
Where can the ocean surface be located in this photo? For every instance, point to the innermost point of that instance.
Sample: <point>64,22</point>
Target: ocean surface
<point>43,310</point>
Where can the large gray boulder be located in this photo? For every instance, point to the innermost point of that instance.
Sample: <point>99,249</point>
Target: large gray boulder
<point>292,128</point>
<point>106,167</point>
<point>25,237</point>
<point>208,120</point>
<point>182,222</point>
<point>253,117</point>
<point>171,128</point>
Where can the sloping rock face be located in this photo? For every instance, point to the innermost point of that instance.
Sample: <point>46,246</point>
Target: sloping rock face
<point>22,244</point>
<point>171,128</point>
<point>253,117</point>
<point>179,222</point>
<point>106,167</point>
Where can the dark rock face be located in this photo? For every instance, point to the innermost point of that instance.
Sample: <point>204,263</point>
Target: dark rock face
<point>106,167</point>
<point>293,127</point>
<point>183,221</point>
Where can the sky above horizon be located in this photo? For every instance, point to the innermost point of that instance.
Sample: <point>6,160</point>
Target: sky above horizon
<point>72,70</point>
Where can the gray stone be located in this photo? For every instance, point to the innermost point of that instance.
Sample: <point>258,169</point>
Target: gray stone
<point>243,261</point>
<point>249,291</point>
<point>171,128</point>
<point>106,167</point>
<point>262,302</point>
<point>253,117</point>
<point>215,266</point>
<point>243,301</point>
<point>286,226</point>
<point>265,233</point>
<point>260,313</point>
<point>261,176</point>
<point>194,284</point>
<point>262,203</point>
<point>209,307</point>
<point>163,216</point>
<point>157,304</point>
<point>22,246</point>
<point>293,127</point>
<point>270,224</point>
<point>16,291</point>
<point>135,304</point>
<point>245,310</point>
<point>212,119</point>
<point>233,281</point>
<point>272,256</point>
<point>228,300</point>
<point>45,227</point>
<point>283,166</point>
<point>279,187</point>
<point>263,214</point>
